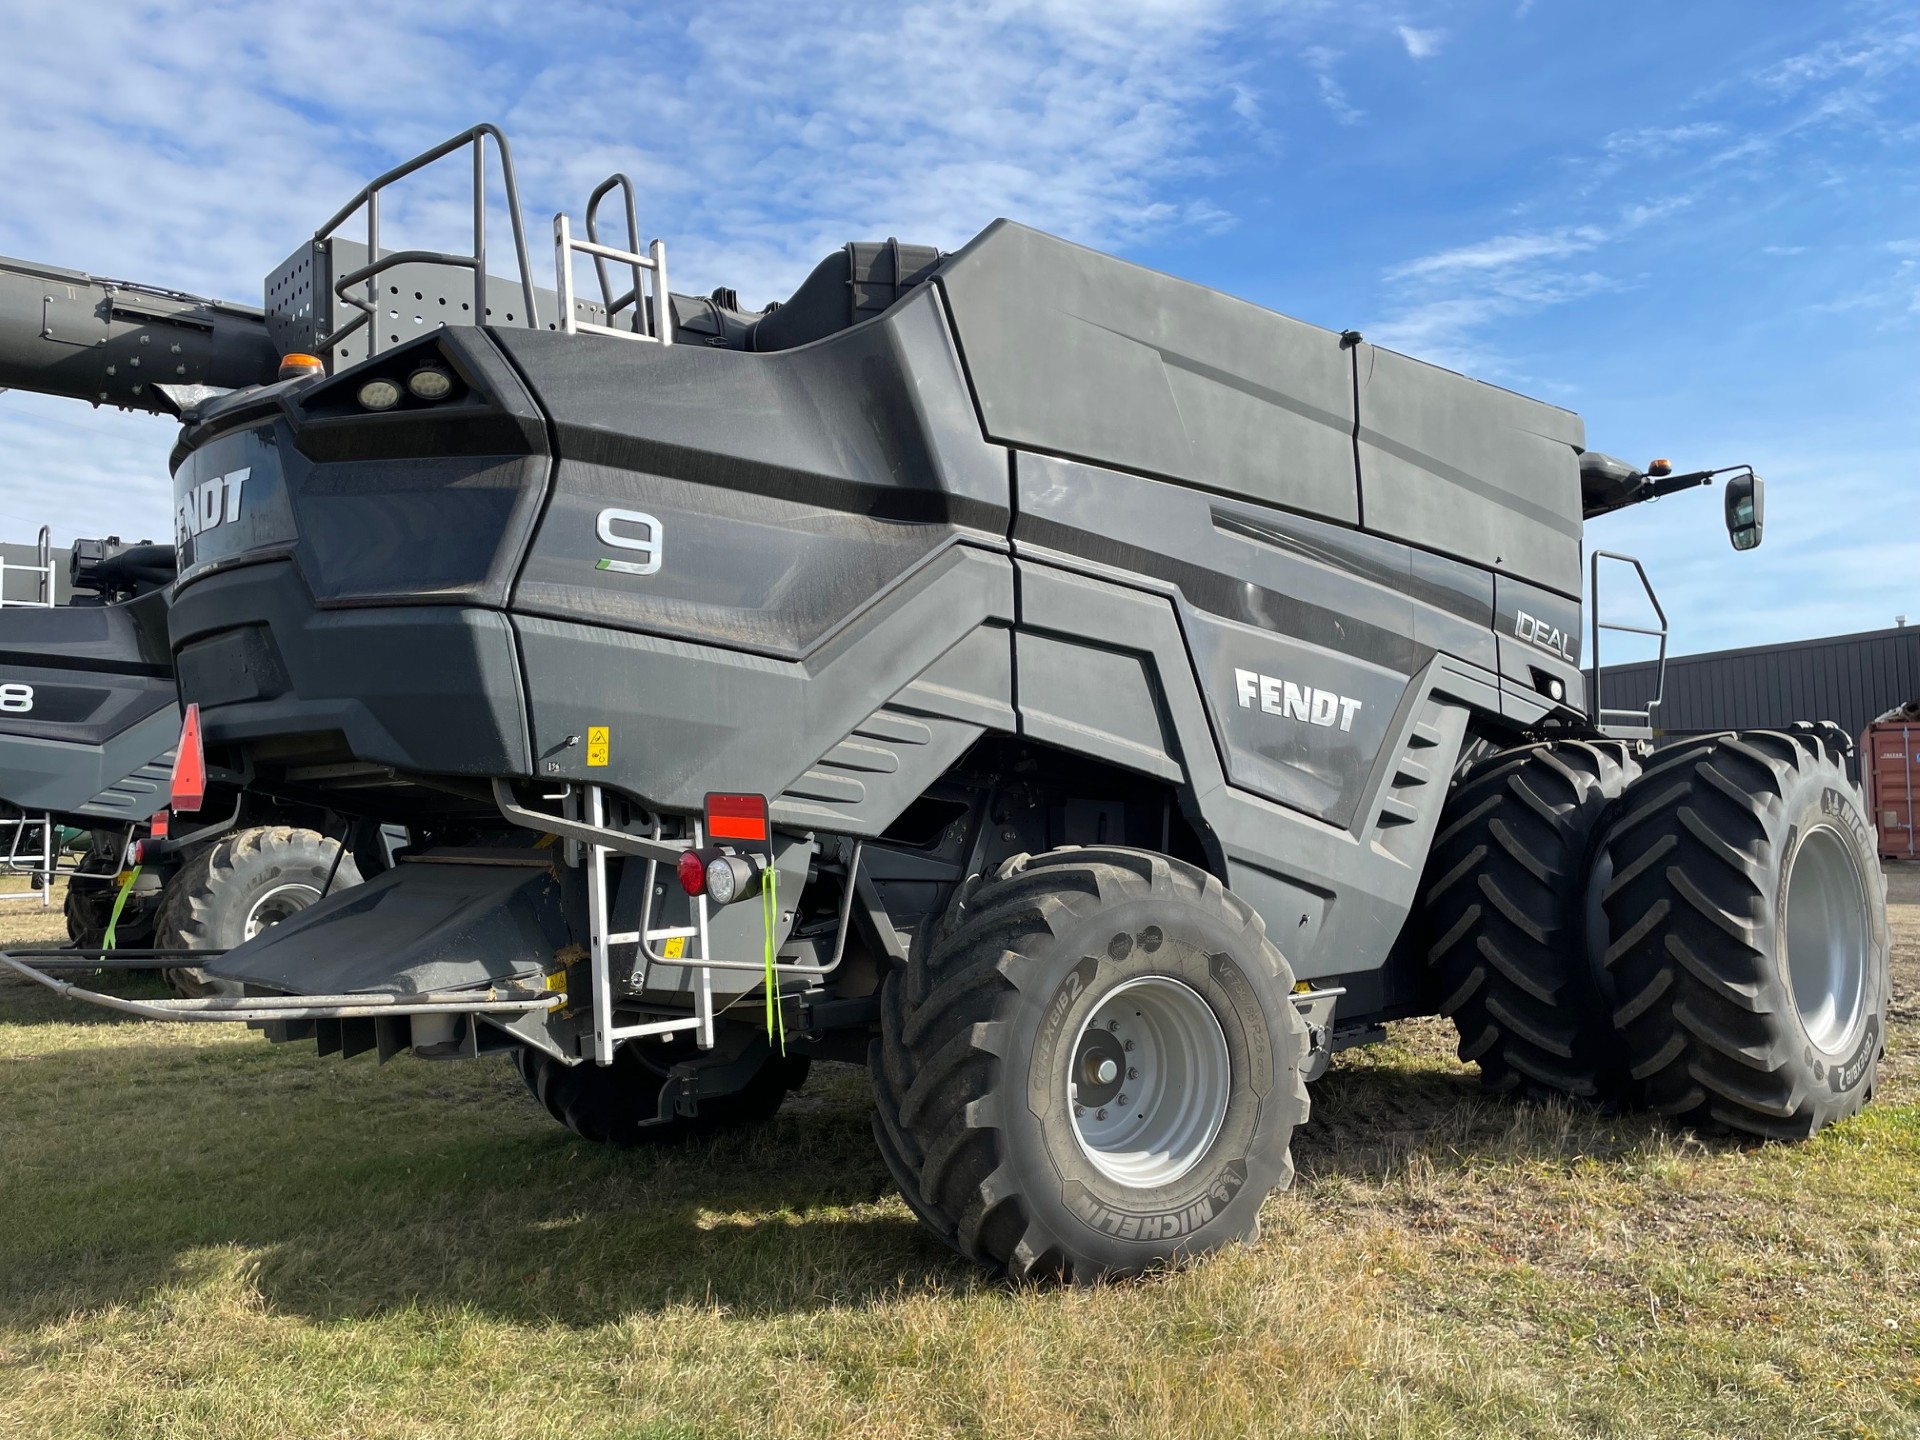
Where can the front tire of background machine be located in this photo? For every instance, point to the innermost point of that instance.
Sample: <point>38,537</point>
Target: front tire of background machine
<point>618,1104</point>
<point>1064,962</point>
<point>1506,913</point>
<point>1750,952</point>
<point>90,904</point>
<point>227,892</point>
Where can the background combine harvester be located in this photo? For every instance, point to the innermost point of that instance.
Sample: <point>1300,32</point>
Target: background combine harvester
<point>88,715</point>
<point>1088,699</point>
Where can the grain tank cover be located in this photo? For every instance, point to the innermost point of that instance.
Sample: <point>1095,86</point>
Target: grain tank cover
<point>1469,469</point>
<point>1078,354</point>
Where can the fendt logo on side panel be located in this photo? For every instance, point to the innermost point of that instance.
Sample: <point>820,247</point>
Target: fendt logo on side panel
<point>210,503</point>
<point>1305,703</point>
<point>1550,638</point>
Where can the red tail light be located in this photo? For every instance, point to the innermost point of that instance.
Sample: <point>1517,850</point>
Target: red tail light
<point>189,787</point>
<point>692,870</point>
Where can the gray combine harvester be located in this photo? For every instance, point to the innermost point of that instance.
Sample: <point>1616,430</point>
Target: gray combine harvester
<point>1087,699</point>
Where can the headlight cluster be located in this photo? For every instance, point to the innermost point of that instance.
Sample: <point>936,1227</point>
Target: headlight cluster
<point>430,383</point>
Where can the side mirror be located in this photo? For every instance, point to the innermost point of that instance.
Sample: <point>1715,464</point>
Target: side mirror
<point>1745,510</point>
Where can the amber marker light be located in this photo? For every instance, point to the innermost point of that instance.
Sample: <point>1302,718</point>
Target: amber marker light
<point>293,366</point>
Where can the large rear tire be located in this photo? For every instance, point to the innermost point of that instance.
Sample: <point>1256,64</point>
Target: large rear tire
<point>1096,1072</point>
<point>228,892</point>
<point>619,1104</point>
<point>1748,911</point>
<point>1507,918</point>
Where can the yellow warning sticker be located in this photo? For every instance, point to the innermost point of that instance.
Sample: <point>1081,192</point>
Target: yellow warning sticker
<point>675,948</point>
<point>596,745</point>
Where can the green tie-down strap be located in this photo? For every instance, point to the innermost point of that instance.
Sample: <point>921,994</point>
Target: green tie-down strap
<point>770,921</point>
<point>119,904</point>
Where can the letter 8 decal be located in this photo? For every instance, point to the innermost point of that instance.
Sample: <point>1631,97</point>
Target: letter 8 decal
<point>15,698</point>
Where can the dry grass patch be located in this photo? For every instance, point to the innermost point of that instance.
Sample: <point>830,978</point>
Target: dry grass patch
<point>211,1236</point>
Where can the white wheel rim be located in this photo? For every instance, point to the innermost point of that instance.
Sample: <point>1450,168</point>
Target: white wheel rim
<point>277,904</point>
<point>1149,1082</point>
<point>1827,938</point>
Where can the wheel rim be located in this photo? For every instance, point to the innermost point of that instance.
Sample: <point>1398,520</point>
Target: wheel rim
<point>277,904</point>
<point>1827,938</point>
<point>1150,1082</point>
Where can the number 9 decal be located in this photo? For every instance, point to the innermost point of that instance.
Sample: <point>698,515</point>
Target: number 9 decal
<point>647,543</point>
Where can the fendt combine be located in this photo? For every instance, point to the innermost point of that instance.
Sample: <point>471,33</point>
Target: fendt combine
<point>1087,699</point>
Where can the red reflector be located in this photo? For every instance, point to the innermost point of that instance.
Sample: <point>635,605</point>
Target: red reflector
<point>693,873</point>
<point>158,825</point>
<point>737,817</point>
<point>189,787</point>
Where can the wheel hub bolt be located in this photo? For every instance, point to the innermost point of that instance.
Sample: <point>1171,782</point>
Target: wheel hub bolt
<point>1113,1024</point>
<point>1129,1045</point>
<point>1121,1098</point>
<point>1100,1114</point>
<point>1133,1072</point>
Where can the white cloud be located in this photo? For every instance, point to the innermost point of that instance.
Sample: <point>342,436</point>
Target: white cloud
<point>1420,43</point>
<point>1500,253</point>
<point>1321,60</point>
<point>1654,141</point>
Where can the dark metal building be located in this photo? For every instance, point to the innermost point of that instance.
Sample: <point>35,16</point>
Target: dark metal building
<point>1853,679</point>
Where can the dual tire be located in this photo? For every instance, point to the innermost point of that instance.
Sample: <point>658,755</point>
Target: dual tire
<point>1707,939</point>
<point>1747,948</point>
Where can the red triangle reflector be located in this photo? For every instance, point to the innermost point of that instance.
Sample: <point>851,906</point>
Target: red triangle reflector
<point>189,787</point>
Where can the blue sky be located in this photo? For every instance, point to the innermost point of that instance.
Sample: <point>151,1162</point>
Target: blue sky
<point>1697,224</point>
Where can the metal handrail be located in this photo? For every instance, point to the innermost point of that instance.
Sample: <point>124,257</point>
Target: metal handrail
<point>1596,712</point>
<point>657,326</point>
<point>261,1009</point>
<point>369,304</point>
<point>42,569</point>
<point>633,296</point>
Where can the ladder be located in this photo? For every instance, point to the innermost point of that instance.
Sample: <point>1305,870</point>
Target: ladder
<point>41,583</point>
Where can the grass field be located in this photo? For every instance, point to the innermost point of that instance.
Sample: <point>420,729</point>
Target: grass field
<point>208,1236</point>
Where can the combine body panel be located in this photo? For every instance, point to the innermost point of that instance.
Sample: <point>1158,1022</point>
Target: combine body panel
<point>93,736</point>
<point>1134,695</point>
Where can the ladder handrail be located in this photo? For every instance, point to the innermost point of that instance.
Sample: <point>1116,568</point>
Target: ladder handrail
<point>655,324</point>
<point>368,305</point>
<point>1596,712</point>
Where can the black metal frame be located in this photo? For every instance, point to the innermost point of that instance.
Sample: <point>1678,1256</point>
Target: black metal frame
<point>368,274</point>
